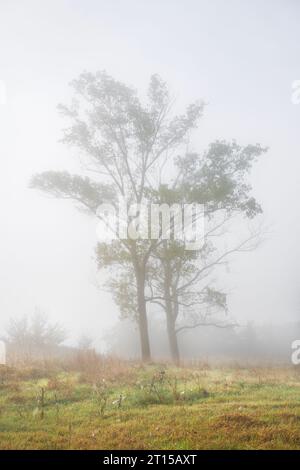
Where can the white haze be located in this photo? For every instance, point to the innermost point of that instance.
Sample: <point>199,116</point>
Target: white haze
<point>240,57</point>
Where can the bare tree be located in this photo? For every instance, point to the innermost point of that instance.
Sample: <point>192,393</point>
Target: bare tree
<point>31,335</point>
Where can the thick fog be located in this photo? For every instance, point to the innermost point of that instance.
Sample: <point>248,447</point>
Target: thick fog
<point>240,58</point>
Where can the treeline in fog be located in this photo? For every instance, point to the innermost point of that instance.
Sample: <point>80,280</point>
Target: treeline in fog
<point>249,344</point>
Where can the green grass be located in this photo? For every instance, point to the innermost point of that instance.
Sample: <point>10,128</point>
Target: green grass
<point>153,407</point>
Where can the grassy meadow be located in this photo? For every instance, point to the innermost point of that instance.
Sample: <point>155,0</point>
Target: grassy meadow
<point>110,404</point>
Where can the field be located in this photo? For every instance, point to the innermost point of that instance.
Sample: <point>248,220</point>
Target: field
<point>116,405</point>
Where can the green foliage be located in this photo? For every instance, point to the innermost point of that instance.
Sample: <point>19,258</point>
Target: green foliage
<point>129,144</point>
<point>87,193</point>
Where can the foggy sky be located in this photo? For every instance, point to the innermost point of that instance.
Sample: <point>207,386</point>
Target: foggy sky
<point>240,57</point>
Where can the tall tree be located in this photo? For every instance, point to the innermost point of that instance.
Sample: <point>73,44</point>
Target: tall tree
<point>181,280</point>
<point>125,144</point>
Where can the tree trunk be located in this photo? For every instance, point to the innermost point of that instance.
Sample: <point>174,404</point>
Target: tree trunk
<point>173,343</point>
<point>142,315</point>
<point>171,315</point>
